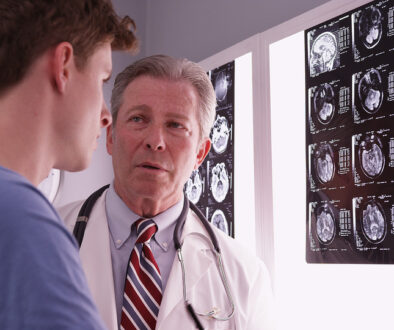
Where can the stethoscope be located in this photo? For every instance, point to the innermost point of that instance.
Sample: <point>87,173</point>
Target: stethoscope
<point>83,218</point>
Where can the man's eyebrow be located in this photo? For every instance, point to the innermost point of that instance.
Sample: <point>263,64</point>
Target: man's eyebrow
<point>136,107</point>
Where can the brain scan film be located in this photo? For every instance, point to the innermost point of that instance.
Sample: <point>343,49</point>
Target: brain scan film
<point>219,221</point>
<point>370,27</point>
<point>373,222</point>
<point>371,156</point>
<point>220,134</point>
<point>324,163</point>
<point>324,103</point>
<point>323,52</point>
<point>219,182</point>
<point>325,224</point>
<point>370,91</point>
<point>194,187</point>
<point>221,86</point>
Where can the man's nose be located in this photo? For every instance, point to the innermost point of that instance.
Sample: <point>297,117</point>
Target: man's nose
<point>105,116</point>
<point>155,139</point>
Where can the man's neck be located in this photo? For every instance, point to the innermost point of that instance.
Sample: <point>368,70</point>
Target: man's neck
<point>146,206</point>
<point>23,139</point>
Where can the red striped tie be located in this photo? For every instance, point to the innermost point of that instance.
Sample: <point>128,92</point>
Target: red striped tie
<point>143,290</point>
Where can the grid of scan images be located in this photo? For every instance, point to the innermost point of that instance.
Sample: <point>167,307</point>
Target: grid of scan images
<point>350,137</point>
<point>211,186</point>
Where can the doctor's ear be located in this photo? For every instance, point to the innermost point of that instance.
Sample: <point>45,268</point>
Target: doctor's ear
<point>62,65</point>
<point>205,146</point>
<point>110,138</point>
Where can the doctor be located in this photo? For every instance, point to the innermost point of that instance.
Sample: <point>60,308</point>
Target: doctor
<point>163,109</point>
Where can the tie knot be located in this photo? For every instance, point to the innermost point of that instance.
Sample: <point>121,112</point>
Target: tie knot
<point>146,228</point>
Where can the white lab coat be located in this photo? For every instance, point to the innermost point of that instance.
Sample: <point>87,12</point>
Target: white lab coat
<point>247,277</point>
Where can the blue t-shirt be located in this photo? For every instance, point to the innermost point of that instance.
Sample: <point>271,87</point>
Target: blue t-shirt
<point>42,284</point>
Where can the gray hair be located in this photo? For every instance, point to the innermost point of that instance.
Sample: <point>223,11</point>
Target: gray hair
<point>167,67</point>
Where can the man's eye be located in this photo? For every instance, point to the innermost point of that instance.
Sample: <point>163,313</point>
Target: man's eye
<point>175,125</point>
<point>136,119</point>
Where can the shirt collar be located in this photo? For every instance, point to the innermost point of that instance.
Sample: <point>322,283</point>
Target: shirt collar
<point>121,218</point>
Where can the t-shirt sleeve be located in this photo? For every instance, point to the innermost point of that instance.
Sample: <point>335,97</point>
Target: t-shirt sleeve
<point>42,282</point>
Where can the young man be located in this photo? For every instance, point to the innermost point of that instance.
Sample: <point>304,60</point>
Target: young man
<point>54,58</point>
<point>163,109</point>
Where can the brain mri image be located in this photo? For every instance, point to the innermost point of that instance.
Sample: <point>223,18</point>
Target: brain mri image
<point>220,134</point>
<point>219,182</point>
<point>323,52</point>
<point>324,103</point>
<point>325,224</point>
<point>371,156</point>
<point>194,187</point>
<point>370,91</point>
<point>370,27</point>
<point>218,219</point>
<point>373,222</point>
<point>221,86</point>
<point>324,163</point>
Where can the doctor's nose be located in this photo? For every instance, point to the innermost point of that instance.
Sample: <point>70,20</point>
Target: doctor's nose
<point>105,116</point>
<point>155,140</point>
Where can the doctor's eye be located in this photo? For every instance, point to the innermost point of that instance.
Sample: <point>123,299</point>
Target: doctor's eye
<point>175,124</point>
<point>136,119</point>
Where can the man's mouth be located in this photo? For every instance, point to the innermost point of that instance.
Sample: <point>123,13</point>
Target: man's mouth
<point>151,166</point>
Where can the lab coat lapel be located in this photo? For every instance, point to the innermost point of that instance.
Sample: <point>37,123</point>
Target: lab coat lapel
<point>95,256</point>
<point>197,262</point>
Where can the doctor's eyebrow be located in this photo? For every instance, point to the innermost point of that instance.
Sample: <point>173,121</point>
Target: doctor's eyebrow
<point>138,107</point>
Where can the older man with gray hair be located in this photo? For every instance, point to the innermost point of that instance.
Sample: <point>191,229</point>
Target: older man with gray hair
<point>163,109</point>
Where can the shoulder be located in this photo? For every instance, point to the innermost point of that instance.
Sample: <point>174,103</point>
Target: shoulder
<point>23,206</point>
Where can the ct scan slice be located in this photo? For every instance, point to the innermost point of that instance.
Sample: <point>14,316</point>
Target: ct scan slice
<point>221,86</point>
<point>323,52</point>
<point>324,163</point>
<point>194,187</point>
<point>370,27</point>
<point>373,222</point>
<point>371,156</point>
<point>220,134</point>
<point>325,224</point>
<point>324,103</point>
<point>219,221</point>
<point>370,91</point>
<point>219,182</point>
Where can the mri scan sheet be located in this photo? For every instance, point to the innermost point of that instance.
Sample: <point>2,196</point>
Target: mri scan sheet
<point>349,97</point>
<point>211,187</point>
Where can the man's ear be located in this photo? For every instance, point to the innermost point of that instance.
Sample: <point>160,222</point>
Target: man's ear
<point>205,146</point>
<point>62,65</point>
<point>110,139</point>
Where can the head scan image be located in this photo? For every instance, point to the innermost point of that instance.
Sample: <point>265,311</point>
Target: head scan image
<point>373,222</point>
<point>194,187</point>
<point>220,134</point>
<point>370,91</point>
<point>219,182</point>
<point>323,52</point>
<point>325,224</point>
<point>324,103</point>
<point>324,163</point>
<point>219,221</point>
<point>371,156</point>
<point>221,86</point>
<point>370,27</point>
